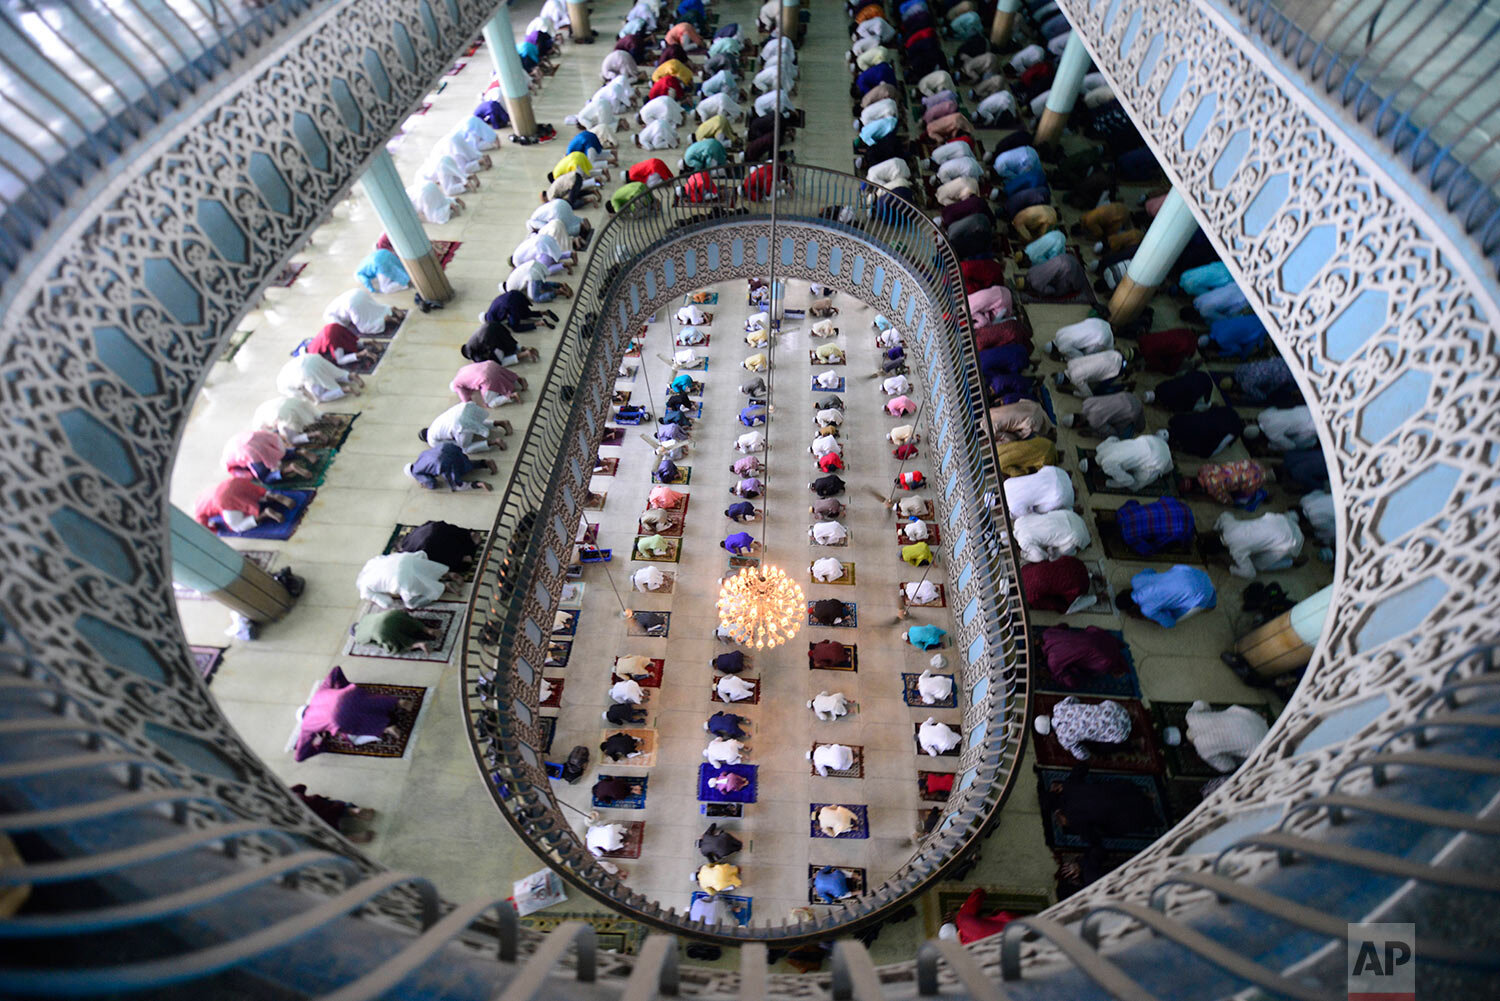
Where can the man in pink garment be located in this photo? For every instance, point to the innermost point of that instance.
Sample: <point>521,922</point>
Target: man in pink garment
<point>487,383</point>
<point>991,305</point>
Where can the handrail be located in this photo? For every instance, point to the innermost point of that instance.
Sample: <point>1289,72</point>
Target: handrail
<point>514,584</point>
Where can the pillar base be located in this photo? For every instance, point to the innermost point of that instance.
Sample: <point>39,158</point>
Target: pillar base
<point>579,26</point>
<point>1001,27</point>
<point>429,278</point>
<point>522,118</point>
<point>1049,128</point>
<point>1129,299</point>
<point>255,594</point>
<point>1274,648</point>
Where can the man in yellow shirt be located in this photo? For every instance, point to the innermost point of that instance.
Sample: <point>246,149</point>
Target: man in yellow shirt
<point>717,127</point>
<point>582,164</point>
<point>673,67</point>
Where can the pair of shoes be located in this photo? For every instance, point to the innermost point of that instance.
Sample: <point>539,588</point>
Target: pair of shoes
<point>294,585</point>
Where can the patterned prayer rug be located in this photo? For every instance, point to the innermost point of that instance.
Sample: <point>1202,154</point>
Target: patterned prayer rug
<point>606,466</point>
<point>1124,685</point>
<point>635,833</point>
<point>672,555</point>
<point>854,874</point>
<point>912,697</point>
<point>385,747</point>
<point>860,830</point>
<point>554,693</point>
<point>683,478</point>
<point>1133,841</point>
<point>854,771</point>
<point>1139,753</point>
<point>852,664</point>
<point>207,660</point>
<point>447,616</point>
<point>635,801</point>
<point>708,794</point>
<point>281,530</point>
<point>653,674</point>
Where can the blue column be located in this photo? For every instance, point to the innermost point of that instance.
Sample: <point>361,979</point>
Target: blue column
<point>382,182</point>
<point>1066,84</point>
<point>1004,22</point>
<point>202,561</point>
<point>500,39</point>
<point>1163,243</point>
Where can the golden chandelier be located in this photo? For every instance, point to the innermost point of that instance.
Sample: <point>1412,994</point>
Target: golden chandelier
<point>761,605</point>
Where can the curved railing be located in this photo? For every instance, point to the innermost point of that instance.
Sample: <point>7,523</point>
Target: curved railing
<point>650,254</point>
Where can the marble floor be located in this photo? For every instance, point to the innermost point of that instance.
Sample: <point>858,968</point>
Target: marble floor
<point>470,850</point>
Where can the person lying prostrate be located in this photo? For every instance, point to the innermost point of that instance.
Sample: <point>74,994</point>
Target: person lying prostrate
<point>1132,463</point>
<point>650,172</point>
<point>1047,536</point>
<point>1207,433</point>
<point>493,342</point>
<point>936,738</point>
<point>1047,489</point>
<point>408,579</point>
<point>446,464</point>
<point>357,310</point>
<point>338,344</point>
<point>1271,541</point>
<point>262,455</point>
<point>1167,597</point>
<point>1086,337</point>
<point>1021,420</point>
<point>1287,429</point>
<point>469,426</point>
<point>239,505</point>
<point>316,379</point>
<point>291,418</point>
<point>1060,585</point>
<point>487,383</point>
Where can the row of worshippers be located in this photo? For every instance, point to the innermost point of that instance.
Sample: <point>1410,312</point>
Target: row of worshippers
<point>450,169</point>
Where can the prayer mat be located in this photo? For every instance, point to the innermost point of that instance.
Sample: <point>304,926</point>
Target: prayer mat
<point>235,341</point>
<point>1134,841</point>
<point>606,467</point>
<point>1163,486</point>
<point>851,617</point>
<point>672,555</point>
<point>385,747</point>
<point>707,339</point>
<point>613,436</point>
<point>952,752</point>
<point>277,529</point>
<point>565,622</point>
<point>447,616</point>
<point>666,585</point>
<point>1139,753</point>
<point>620,397</point>
<point>635,833</point>
<point>1234,397</point>
<point>701,299</point>
<point>1124,685</point>
<point>287,275</point>
<point>934,536</point>
<point>812,357</point>
<point>851,651</point>
<point>207,660</point>
<point>739,562</point>
<point>365,366</point>
<point>846,578</point>
<point>636,626</point>
<point>935,795</point>
<point>444,250</point>
<point>479,535</point>
<point>860,830</point>
<point>1085,297</point>
<point>558,654</point>
<point>611,933</point>
<point>1116,548</point>
<point>854,874</point>
<point>457,68</point>
<point>1015,901</point>
<point>708,794</point>
<point>647,757</point>
<point>571,595</point>
<point>554,693</point>
<point>547,726</point>
<point>940,602</point>
<point>683,478</point>
<point>1104,595</point>
<point>722,810</point>
<point>335,428</point>
<point>753,700</point>
<point>652,678</point>
<point>841,544</point>
<point>912,697</point>
<point>262,558</point>
<point>635,801</point>
<point>392,325</point>
<point>740,907</point>
<point>834,389</point>
<point>854,771</point>
<point>1183,761</point>
<point>317,461</point>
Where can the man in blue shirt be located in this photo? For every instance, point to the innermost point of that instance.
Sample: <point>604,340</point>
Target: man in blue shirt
<point>1167,597</point>
<point>741,544</point>
<point>1150,528</point>
<point>831,884</point>
<point>722,724</point>
<point>447,464</point>
<point>741,512</point>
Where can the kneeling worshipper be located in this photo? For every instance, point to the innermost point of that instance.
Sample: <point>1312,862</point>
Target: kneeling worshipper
<point>1267,381</point>
<point>261,455</point>
<point>718,878</point>
<point>410,579</point>
<point>1086,337</point>
<point>829,707</point>
<point>915,530</point>
<point>448,465</point>
<point>1239,483</point>
<point>1047,536</point>
<point>827,653</point>
<point>835,820</point>
<point>1166,597</point>
<point>654,545</point>
<point>1095,374</point>
<point>654,519</point>
<point>920,592</point>
<point>1150,528</point>
<point>830,884</point>
<point>831,757</point>
<point>317,379</point>
<point>749,487</point>
<point>1060,585</point>
<point>291,418</point>
<point>1189,392</point>
<point>468,426</point>
<point>450,545</point>
<point>1020,458</point>
<point>1206,433</point>
<point>936,738</point>
<point>1073,655</point>
<point>611,788</point>
<point>1047,489</point>
<point>934,688</point>
<point>925,637</point>
<point>828,533</point>
<point>239,504</point>
<point>1269,542</point>
<point>829,354</point>
<point>1116,415</point>
<point>432,204</point>
<point>1056,278</point>
<point>741,544</point>
<point>494,342</point>
<point>648,579</point>
<point>968,924</point>
<point>383,272</point>
<point>1224,738</point>
<point>624,714</point>
<point>722,724</point>
<point>359,311</point>
<point>1094,811</point>
<point>918,554</point>
<point>1134,463</point>
<point>1236,337</point>
<point>717,845</point>
<point>338,344</point>
<point>721,751</point>
<point>490,384</point>
<point>620,745</point>
<point>665,498</point>
<point>1021,420</point>
<point>1286,429</point>
<point>827,486</point>
<point>732,662</point>
<point>1081,726</point>
<point>341,708</point>
<point>741,511</point>
<point>828,379</point>
<point>728,782</point>
<point>394,631</point>
<point>603,838</point>
<point>829,611</point>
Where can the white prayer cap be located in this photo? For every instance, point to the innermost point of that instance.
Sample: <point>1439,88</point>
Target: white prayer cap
<point>1043,725</point>
<point>1149,396</point>
<point>1163,434</point>
<point>949,932</point>
<point>905,633</point>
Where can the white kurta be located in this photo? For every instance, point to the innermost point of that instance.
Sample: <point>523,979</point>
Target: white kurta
<point>410,579</point>
<point>359,311</point>
<point>827,569</point>
<point>1134,462</point>
<point>829,706</point>
<point>1047,489</point>
<point>936,737</point>
<point>1042,537</point>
